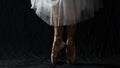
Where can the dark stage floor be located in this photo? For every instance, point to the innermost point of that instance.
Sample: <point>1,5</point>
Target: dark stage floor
<point>44,62</point>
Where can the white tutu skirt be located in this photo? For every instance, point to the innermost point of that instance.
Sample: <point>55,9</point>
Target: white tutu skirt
<point>65,12</point>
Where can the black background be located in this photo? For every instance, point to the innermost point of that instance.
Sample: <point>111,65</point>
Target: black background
<point>23,34</point>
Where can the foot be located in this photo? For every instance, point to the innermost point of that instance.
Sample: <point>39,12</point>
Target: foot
<point>70,51</point>
<point>58,45</point>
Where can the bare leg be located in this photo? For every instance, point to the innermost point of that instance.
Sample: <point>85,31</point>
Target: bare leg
<point>71,29</point>
<point>71,48</point>
<point>58,43</point>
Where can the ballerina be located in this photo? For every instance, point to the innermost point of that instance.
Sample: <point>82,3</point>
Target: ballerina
<point>60,13</point>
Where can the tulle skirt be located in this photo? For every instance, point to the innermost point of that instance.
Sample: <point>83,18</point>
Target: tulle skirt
<point>65,12</point>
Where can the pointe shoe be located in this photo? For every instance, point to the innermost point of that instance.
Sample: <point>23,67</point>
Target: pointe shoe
<point>70,52</point>
<point>58,45</point>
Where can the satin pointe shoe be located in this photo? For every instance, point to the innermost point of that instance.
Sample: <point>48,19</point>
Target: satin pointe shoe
<point>70,52</point>
<point>58,45</point>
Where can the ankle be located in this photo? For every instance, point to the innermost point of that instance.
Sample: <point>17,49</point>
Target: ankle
<point>57,37</point>
<point>70,39</point>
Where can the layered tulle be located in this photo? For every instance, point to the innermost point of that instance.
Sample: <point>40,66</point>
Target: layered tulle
<point>65,12</point>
